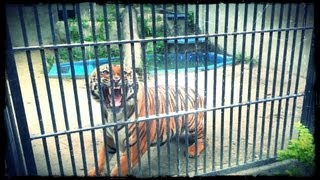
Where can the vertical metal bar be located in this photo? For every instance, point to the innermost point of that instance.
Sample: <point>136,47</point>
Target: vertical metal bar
<point>215,89</point>
<point>75,92</point>
<point>103,120</point>
<point>14,154</point>
<point>145,84</point>
<point>299,62</point>
<point>258,85</point>
<point>44,141</point>
<point>267,80</point>
<point>232,79</point>
<point>186,85</point>
<point>14,84</point>
<point>129,6</point>
<point>250,79</point>
<point>223,85</point>
<point>241,79</point>
<point>282,78</point>
<point>156,83</point>
<point>122,77</point>
<point>196,88</point>
<point>32,76</point>
<point>308,111</point>
<point>123,87</point>
<point>165,57</point>
<point>77,9</point>
<point>112,93</point>
<point>206,86</point>
<point>274,85</point>
<point>176,88</point>
<point>56,55</point>
<point>291,66</point>
<point>106,26</point>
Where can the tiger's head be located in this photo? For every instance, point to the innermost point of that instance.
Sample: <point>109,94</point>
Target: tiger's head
<point>112,85</point>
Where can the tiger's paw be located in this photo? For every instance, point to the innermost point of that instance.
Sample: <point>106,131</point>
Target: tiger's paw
<point>93,173</point>
<point>192,150</point>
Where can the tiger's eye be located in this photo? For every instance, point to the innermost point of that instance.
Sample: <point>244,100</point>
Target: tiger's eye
<point>105,72</point>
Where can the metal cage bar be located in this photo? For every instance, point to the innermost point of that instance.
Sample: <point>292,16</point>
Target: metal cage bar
<point>186,65</point>
<point>258,87</point>
<point>225,142</point>
<point>282,80</point>
<point>232,80</point>
<point>267,80</point>
<point>250,83</point>
<point>17,102</point>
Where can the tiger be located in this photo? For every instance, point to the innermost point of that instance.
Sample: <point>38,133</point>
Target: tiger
<point>123,96</point>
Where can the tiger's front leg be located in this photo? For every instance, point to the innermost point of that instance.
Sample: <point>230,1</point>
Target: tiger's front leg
<point>102,157</point>
<point>133,157</point>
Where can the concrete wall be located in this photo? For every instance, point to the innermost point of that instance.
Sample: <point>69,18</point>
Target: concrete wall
<point>229,22</point>
<point>14,24</point>
<point>17,38</point>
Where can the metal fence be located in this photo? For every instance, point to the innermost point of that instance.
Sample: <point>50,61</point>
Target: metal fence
<point>252,63</point>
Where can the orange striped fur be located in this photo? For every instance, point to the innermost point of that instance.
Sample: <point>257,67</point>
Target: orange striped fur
<point>194,121</point>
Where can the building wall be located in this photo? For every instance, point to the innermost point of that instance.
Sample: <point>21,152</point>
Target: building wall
<point>229,20</point>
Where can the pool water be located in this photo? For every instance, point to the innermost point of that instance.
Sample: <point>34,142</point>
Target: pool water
<point>183,61</point>
<point>190,61</point>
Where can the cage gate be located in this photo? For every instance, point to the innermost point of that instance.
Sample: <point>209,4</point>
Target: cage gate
<point>233,78</point>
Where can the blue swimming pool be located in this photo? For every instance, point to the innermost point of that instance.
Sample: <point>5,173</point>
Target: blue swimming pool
<point>191,59</point>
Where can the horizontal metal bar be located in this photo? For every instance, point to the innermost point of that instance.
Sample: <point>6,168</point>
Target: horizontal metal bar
<point>163,116</point>
<point>241,167</point>
<point>103,43</point>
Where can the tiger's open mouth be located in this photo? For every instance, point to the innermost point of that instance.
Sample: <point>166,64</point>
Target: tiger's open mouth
<point>118,94</point>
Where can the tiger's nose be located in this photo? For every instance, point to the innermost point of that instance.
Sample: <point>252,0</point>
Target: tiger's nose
<point>116,80</point>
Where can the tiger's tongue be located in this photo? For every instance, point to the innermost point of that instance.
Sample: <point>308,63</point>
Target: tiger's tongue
<point>117,97</point>
<point>117,100</point>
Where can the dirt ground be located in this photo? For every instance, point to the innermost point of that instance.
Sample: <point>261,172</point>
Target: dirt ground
<point>227,145</point>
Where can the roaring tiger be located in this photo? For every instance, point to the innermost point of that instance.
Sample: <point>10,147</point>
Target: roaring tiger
<point>126,97</point>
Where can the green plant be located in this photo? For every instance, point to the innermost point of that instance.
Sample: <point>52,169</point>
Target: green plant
<point>74,33</point>
<point>159,47</point>
<point>85,24</point>
<point>159,18</point>
<point>146,27</point>
<point>159,32</point>
<point>302,149</point>
<point>191,24</point>
<point>246,59</point>
<point>50,61</point>
<point>88,38</point>
<point>100,33</point>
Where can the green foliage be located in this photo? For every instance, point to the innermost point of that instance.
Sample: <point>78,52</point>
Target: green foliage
<point>74,32</point>
<point>302,149</point>
<point>147,30</point>
<point>50,61</point>
<point>294,172</point>
<point>191,24</point>
<point>85,24</point>
<point>77,54</point>
<point>246,59</point>
<point>159,47</point>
